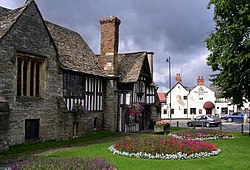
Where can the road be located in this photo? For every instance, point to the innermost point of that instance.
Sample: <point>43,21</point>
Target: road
<point>226,126</point>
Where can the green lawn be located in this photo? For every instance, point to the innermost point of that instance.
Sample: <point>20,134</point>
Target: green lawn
<point>30,147</point>
<point>234,155</point>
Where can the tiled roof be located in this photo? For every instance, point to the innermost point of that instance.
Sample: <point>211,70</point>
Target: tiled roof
<point>8,18</point>
<point>130,65</point>
<point>4,10</point>
<point>216,90</point>
<point>162,97</point>
<point>74,52</point>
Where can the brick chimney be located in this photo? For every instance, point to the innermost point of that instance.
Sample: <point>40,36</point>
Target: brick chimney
<point>178,77</point>
<point>200,81</point>
<point>109,44</point>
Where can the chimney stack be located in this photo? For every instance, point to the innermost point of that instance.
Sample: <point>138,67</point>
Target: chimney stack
<point>109,44</point>
<point>200,81</point>
<point>178,77</point>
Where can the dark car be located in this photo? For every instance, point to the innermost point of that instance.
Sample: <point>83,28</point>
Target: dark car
<point>205,120</point>
<point>235,117</point>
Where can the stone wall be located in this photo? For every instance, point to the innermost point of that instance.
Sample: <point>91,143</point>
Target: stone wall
<point>29,35</point>
<point>110,105</point>
<point>89,123</point>
<point>4,124</point>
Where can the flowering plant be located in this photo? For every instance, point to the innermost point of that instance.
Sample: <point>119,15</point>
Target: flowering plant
<point>136,109</point>
<point>162,123</point>
<point>62,163</point>
<point>79,108</point>
<point>201,134</point>
<point>163,148</point>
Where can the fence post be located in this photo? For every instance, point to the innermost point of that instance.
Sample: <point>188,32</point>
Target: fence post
<point>220,127</point>
<point>177,123</point>
<point>242,128</point>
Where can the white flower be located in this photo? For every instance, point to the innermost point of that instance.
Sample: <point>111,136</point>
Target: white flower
<point>176,156</point>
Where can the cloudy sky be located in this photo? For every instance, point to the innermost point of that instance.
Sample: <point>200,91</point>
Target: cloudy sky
<point>169,28</point>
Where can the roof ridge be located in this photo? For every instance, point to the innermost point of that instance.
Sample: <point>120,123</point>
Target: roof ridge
<point>125,53</point>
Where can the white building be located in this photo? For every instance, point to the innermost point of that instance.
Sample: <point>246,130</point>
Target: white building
<point>201,99</point>
<point>179,101</point>
<point>186,102</point>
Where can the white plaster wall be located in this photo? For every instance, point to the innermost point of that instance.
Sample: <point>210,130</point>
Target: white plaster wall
<point>197,97</point>
<point>178,103</point>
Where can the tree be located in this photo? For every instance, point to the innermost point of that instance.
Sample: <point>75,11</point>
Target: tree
<point>229,47</point>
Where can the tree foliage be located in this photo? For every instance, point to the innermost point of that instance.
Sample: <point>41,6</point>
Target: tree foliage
<point>229,47</point>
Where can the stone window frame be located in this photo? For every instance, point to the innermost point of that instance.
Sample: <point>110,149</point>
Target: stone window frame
<point>29,85</point>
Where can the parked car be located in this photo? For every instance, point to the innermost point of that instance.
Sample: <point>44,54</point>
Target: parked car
<point>205,120</point>
<point>235,117</point>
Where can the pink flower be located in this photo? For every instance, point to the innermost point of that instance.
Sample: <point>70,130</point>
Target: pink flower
<point>162,122</point>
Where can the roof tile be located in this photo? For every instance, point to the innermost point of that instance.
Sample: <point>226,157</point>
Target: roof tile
<point>74,52</point>
<point>130,65</point>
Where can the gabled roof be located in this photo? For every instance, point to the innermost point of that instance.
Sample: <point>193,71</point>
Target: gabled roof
<point>74,52</point>
<point>186,88</point>
<point>130,66</point>
<point>8,18</point>
<point>200,89</point>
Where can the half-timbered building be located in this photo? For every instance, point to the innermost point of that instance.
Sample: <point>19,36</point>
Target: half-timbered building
<point>52,85</point>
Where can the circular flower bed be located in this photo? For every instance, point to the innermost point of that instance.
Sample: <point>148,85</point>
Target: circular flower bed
<point>164,148</point>
<point>201,134</point>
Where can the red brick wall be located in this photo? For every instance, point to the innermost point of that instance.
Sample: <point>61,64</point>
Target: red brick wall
<point>200,81</point>
<point>109,44</point>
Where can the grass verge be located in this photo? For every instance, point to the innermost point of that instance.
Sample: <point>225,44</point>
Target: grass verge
<point>234,155</point>
<point>36,146</point>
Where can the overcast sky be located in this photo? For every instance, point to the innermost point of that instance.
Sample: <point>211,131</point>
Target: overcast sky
<point>169,28</point>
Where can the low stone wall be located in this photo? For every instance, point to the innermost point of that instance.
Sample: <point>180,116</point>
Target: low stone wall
<point>4,124</point>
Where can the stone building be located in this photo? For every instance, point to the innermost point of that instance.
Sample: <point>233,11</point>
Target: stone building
<point>52,85</point>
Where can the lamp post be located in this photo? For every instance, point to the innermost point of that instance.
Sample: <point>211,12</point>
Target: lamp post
<point>169,71</point>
